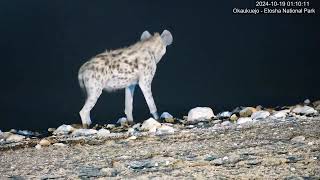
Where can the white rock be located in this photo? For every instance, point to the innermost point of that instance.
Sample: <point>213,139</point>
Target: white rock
<point>15,138</point>
<point>38,146</point>
<point>136,126</point>
<point>25,133</point>
<point>149,124</point>
<point>260,115</point>
<point>59,144</point>
<point>164,129</point>
<point>200,113</point>
<point>247,111</point>
<point>103,132</point>
<point>132,138</point>
<point>153,130</point>
<point>166,115</point>
<point>51,129</point>
<point>123,121</point>
<point>226,123</point>
<point>307,101</point>
<point>280,114</point>
<point>131,130</point>
<point>306,110</point>
<point>225,114</point>
<point>63,130</point>
<point>298,139</point>
<point>110,126</point>
<point>243,120</point>
<point>44,142</point>
<point>84,132</point>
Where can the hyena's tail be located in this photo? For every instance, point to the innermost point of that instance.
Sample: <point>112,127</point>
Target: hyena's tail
<point>81,82</point>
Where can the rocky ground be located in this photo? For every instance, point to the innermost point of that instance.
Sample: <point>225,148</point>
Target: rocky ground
<point>270,147</point>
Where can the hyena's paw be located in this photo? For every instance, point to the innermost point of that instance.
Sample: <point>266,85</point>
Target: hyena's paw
<point>155,116</point>
<point>85,126</point>
<point>85,118</point>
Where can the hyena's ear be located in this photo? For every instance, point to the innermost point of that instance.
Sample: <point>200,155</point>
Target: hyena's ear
<point>166,37</point>
<point>145,35</point>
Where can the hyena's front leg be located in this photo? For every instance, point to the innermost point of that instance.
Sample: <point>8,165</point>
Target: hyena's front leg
<point>145,87</point>
<point>128,102</point>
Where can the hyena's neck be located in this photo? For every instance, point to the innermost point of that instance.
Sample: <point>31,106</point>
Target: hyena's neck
<point>153,46</point>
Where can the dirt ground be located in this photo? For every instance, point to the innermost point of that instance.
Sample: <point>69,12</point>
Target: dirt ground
<point>269,149</point>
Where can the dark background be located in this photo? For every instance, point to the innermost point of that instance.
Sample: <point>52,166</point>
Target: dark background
<point>217,59</point>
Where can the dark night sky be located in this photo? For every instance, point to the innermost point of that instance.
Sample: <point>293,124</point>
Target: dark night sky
<point>217,59</point>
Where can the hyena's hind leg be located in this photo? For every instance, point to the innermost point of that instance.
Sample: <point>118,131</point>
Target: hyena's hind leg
<point>129,102</point>
<point>94,91</point>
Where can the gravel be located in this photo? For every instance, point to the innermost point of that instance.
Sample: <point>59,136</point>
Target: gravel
<point>267,149</point>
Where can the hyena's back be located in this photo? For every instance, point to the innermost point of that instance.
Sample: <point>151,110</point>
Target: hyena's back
<point>109,71</point>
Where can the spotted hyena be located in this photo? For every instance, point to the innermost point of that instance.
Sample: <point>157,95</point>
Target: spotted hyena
<point>123,68</point>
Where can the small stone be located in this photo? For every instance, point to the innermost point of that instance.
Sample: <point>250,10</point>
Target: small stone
<point>293,159</point>
<point>150,124</point>
<point>259,108</point>
<point>225,114</point>
<point>234,117</point>
<point>200,114</point>
<point>51,130</point>
<point>63,130</point>
<point>247,112</point>
<point>110,126</point>
<point>59,144</point>
<point>15,138</point>
<point>137,126</point>
<point>305,110</point>
<point>280,114</point>
<point>44,142</point>
<point>218,121</point>
<point>131,131</point>
<point>141,164</point>
<point>190,126</point>
<point>243,120</point>
<point>84,132</point>
<point>233,158</point>
<point>166,115</point>
<point>25,133</point>
<point>226,123</point>
<point>217,162</point>
<point>109,172</point>
<point>307,101</point>
<point>153,130</point>
<point>38,146</point>
<point>253,162</point>
<point>103,133</point>
<point>210,158</point>
<point>169,120</point>
<point>123,121</point>
<point>132,138</point>
<point>316,103</point>
<point>258,115</point>
<point>298,139</point>
<point>200,124</point>
<point>13,131</point>
<point>164,130</point>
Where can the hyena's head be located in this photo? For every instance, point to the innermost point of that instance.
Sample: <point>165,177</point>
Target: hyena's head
<point>157,43</point>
